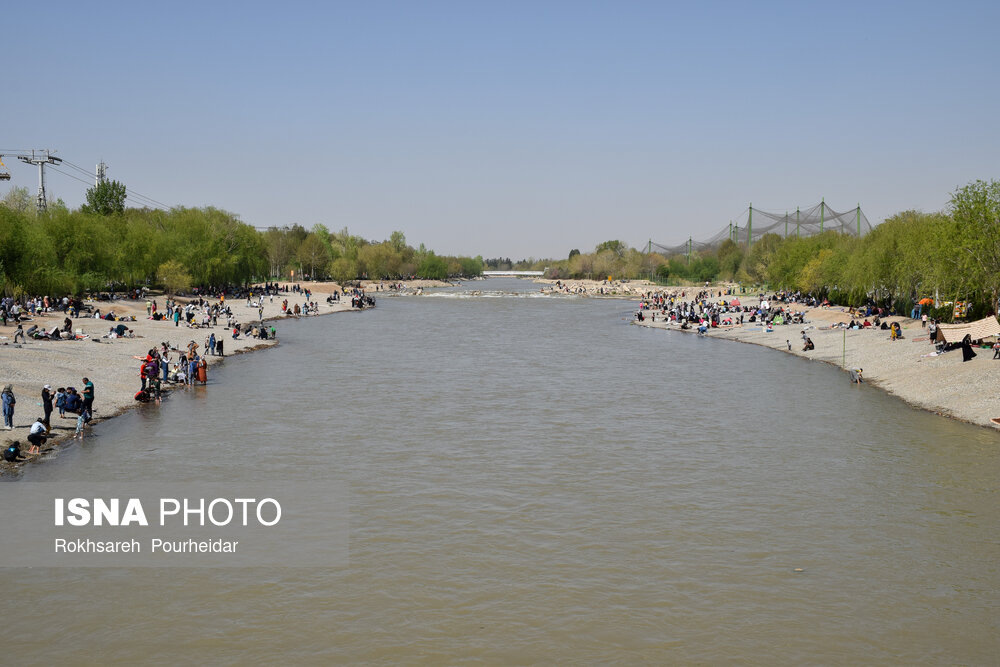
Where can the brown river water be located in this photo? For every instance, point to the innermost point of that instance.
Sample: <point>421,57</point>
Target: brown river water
<point>532,480</point>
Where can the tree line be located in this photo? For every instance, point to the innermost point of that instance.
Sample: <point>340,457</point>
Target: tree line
<point>104,245</point>
<point>954,255</point>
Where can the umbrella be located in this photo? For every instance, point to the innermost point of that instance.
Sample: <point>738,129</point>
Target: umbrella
<point>926,301</point>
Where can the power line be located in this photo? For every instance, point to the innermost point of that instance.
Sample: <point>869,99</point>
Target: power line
<point>136,197</point>
<point>158,203</point>
<point>73,176</point>
<point>129,194</point>
<point>77,167</point>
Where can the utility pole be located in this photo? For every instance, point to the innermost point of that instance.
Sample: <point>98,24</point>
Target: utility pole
<point>41,162</point>
<point>102,174</point>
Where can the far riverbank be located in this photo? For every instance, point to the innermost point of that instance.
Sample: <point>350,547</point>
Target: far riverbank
<point>942,384</point>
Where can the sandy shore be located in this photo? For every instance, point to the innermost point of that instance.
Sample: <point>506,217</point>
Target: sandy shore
<point>943,384</point>
<point>110,363</point>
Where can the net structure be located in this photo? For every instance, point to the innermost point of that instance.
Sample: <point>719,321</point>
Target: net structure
<point>755,223</point>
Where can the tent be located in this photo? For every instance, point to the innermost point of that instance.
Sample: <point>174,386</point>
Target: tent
<point>978,330</point>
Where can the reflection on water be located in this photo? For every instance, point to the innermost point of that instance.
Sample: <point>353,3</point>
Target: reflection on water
<point>533,480</point>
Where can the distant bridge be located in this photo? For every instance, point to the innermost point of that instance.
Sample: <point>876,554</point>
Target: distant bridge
<point>493,274</point>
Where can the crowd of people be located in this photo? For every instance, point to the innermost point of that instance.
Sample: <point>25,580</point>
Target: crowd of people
<point>70,402</point>
<point>163,366</point>
<point>711,309</point>
<point>188,368</point>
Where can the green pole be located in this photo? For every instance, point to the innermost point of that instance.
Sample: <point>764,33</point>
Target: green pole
<point>786,224</point>
<point>796,222</point>
<point>822,205</point>
<point>859,220</point>
<point>730,230</point>
<point>750,228</point>
<point>689,251</point>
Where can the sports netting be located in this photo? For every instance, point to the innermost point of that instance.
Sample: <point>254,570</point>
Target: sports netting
<point>755,223</point>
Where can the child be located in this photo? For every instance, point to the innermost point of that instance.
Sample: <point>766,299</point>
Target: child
<point>80,421</point>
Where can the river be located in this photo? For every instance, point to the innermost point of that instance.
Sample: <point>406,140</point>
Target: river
<point>533,480</point>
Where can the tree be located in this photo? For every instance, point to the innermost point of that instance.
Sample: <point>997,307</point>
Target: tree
<point>19,200</point>
<point>379,261</point>
<point>105,198</point>
<point>398,241</point>
<point>279,249</point>
<point>313,253</point>
<point>976,211</point>
<point>730,257</point>
<point>173,277</point>
<point>574,252</point>
<point>433,268</point>
<point>344,270</point>
<point>616,247</point>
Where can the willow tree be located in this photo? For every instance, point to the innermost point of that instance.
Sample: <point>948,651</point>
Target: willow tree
<point>976,211</point>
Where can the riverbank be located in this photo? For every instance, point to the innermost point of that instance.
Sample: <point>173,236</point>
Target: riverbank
<point>942,384</point>
<point>111,364</point>
<point>600,288</point>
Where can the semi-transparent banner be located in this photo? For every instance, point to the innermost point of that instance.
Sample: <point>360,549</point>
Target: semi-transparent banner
<point>160,524</point>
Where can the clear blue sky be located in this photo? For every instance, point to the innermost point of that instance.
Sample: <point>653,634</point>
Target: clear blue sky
<point>509,128</point>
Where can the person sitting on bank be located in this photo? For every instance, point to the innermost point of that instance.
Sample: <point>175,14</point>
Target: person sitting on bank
<point>13,452</point>
<point>37,436</point>
<point>809,345</point>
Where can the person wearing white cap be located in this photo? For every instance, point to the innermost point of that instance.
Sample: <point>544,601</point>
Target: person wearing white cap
<point>47,406</point>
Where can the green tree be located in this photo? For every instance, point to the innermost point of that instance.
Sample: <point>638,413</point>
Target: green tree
<point>173,277</point>
<point>344,270</point>
<point>313,253</point>
<point>19,200</point>
<point>280,249</point>
<point>471,266</point>
<point>105,198</point>
<point>730,257</point>
<point>433,267</point>
<point>617,247</point>
<point>976,211</point>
